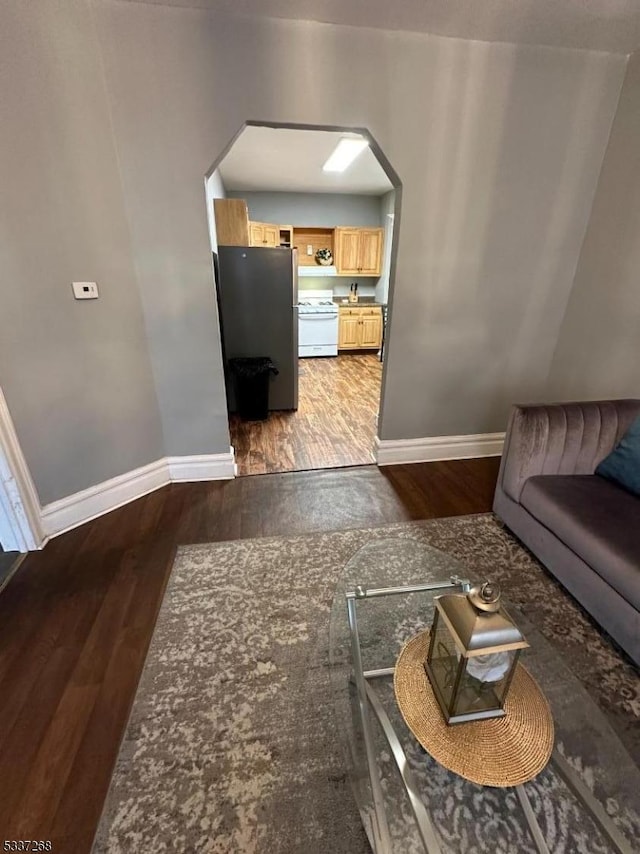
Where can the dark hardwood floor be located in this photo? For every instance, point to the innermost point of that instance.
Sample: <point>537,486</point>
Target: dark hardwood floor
<point>334,425</point>
<point>77,618</point>
<point>9,562</point>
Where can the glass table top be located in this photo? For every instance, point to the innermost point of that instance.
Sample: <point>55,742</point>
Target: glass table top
<point>467,818</point>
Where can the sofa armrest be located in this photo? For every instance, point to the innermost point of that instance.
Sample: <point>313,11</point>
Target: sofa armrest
<point>561,438</point>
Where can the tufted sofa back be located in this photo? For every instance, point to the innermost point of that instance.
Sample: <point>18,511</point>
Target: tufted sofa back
<point>561,438</point>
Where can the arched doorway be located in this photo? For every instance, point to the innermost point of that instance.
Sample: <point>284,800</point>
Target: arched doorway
<point>305,260</point>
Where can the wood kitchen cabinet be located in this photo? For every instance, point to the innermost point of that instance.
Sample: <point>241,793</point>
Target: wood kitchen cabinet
<point>348,329</point>
<point>360,328</point>
<point>233,227</point>
<point>264,234</point>
<point>232,222</point>
<point>358,251</point>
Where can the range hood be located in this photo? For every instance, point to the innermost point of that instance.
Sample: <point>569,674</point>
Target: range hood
<point>317,271</point>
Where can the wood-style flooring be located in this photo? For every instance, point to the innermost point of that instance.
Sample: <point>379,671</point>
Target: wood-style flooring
<point>77,618</point>
<point>8,565</point>
<point>335,424</point>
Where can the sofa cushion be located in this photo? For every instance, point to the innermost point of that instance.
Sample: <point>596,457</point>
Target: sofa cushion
<point>622,466</point>
<point>597,520</point>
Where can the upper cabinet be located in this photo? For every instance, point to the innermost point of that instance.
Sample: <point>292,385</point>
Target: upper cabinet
<point>371,241</point>
<point>232,222</point>
<point>286,236</point>
<point>358,251</point>
<point>264,234</point>
<point>347,250</point>
<point>269,235</point>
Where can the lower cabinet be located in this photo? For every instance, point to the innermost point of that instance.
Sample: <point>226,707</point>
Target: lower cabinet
<point>360,328</point>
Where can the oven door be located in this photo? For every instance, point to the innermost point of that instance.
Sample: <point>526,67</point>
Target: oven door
<point>318,334</point>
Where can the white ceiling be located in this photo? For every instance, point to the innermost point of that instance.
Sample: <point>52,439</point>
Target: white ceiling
<point>279,159</point>
<point>609,25</point>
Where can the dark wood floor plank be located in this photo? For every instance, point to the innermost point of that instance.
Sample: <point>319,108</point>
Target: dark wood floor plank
<point>59,747</point>
<point>43,628</point>
<point>74,819</point>
<point>77,618</point>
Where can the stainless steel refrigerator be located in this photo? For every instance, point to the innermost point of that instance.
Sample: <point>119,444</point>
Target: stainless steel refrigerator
<point>258,305</point>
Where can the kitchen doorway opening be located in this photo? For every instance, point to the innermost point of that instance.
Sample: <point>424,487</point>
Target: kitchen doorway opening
<point>303,224</point>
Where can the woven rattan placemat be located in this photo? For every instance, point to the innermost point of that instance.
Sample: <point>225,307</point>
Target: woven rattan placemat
<point>504,751</point>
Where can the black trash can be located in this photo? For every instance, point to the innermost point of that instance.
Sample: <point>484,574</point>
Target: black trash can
<point>251,382</point>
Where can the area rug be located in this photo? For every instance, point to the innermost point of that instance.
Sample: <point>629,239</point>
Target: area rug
<point>232,745</point>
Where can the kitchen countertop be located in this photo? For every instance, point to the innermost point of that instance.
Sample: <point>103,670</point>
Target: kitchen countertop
<point>369,302</point>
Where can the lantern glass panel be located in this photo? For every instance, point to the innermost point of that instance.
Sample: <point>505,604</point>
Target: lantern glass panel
<point>485,682</point>
<point>444,658</point>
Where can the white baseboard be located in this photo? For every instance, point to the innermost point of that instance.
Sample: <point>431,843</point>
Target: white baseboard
<point>202,467</point>
<point>74,510</point>
<point>81,507</point>
<point>432,448</point>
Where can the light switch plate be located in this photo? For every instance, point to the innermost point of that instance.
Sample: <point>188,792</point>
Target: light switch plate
<point>85,290</point>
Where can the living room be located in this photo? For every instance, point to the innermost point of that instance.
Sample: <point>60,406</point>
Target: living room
<point>515,135</point>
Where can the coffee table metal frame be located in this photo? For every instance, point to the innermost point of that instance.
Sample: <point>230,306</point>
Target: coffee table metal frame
<point>378,828</point>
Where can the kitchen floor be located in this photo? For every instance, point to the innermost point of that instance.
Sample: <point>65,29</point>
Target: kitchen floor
<point>335,424</point>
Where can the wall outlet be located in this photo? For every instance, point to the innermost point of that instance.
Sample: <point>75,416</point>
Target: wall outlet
<point>309,249</point>
<point>85,290</point>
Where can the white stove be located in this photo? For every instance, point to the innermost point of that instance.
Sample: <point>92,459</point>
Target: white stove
<point>322,307</point>
<point>317,324</point>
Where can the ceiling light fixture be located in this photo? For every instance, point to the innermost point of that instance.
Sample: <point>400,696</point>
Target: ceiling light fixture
<point>345,153</point>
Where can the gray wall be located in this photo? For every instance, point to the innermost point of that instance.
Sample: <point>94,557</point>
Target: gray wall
<point>164,85</point>
<point>387,211</point>
<point>214,189</point>
<point>319,210</point>
<point>499,148</point>
<point>598,352</point>
<point>491,231</point>
<point>76,375</point>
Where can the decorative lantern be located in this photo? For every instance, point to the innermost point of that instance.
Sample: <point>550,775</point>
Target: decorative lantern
<point>473,653</point>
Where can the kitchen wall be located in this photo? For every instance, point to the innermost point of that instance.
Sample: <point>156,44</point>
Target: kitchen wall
<point>598,352</point>
<point>76,374</point>
<point>387,216</point>
<point>340,285</point>
<point>214,189</point>
<point>499,149</point>
<point>366,286</point>
<point>316,210</point>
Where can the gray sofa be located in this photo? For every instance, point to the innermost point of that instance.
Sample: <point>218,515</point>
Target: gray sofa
<point>584,529</point>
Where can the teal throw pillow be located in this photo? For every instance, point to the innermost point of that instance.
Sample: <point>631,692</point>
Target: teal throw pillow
<point>623,463</point>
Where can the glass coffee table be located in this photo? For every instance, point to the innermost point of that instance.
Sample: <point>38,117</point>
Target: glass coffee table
<point>586,801</point>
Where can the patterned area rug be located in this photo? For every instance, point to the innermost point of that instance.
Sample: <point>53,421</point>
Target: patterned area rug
<point>232,746</point>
